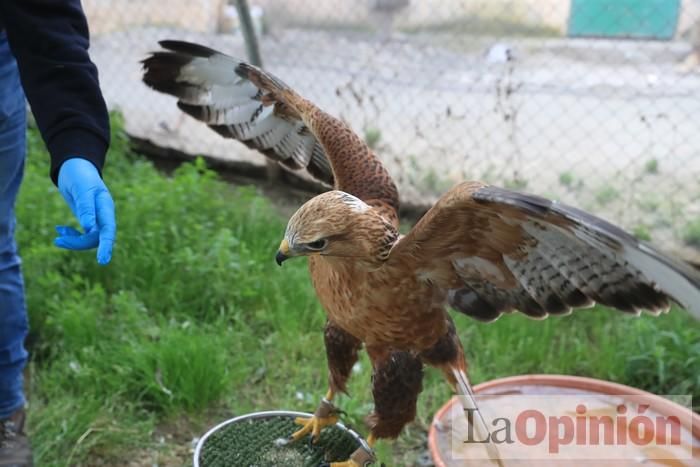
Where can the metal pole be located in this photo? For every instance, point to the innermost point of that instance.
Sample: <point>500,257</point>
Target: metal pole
<point>274,171</point>
<point>251,40</point>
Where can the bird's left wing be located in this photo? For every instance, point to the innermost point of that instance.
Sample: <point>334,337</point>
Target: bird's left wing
<point>215,88</point>
<point>493,251</point>
<point>246,103</point>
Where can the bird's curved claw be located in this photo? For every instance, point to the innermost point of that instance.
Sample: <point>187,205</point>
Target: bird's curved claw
<point>326,415</point>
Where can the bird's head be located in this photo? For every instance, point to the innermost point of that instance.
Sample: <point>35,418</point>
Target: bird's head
<point>336,224</point>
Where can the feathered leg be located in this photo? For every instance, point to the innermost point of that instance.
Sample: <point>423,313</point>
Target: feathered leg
<point>448,355</point>
<point>341,354</point>
<point>397,379</point>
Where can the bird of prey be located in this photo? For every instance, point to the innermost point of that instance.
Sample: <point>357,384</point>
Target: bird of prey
<point>480,250</point>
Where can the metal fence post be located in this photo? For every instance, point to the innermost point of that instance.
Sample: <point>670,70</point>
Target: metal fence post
<point>251,40</point>
<point>253,51</point>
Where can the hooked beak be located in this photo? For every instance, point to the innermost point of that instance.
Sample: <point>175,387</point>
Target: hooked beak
<point>282,252</point>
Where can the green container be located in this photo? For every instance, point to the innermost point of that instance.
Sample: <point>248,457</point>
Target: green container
<point>636,19</point>
<point>249,441</point>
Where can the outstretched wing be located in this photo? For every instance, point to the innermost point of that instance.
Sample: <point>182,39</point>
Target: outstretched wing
<point>214,88</point>
<point>494,250</point>
<point>241,101</point>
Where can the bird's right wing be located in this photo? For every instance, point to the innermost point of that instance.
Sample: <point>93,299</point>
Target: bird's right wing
<point>493,250</point>
<point>215,88</point>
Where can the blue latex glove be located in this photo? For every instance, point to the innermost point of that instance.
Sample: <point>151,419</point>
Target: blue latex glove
<point>87,196</point>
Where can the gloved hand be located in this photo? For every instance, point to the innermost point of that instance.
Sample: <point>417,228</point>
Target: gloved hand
<point>87,196</point>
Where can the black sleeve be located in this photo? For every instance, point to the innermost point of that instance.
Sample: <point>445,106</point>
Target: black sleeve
<point>50,40</point>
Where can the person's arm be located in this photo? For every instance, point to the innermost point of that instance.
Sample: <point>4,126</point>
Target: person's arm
<point>49,39</point>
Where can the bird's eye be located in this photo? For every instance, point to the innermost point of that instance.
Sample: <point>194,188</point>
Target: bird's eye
<point>318,244</point>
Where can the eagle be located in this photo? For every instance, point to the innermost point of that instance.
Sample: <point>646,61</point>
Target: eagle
<point>480,250</point>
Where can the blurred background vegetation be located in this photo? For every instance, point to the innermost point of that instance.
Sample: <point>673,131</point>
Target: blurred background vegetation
<point>193,322</point>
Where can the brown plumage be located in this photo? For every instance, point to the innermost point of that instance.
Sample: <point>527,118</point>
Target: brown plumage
<point>482,250</point>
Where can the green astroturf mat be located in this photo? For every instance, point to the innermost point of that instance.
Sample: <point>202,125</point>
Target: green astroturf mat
<point>251,443</point>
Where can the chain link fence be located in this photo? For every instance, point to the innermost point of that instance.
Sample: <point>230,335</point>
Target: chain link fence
<point>592,102</point>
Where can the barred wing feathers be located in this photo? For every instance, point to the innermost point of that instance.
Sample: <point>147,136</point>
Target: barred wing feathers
<point>218,90</point>
<point>493,251</point>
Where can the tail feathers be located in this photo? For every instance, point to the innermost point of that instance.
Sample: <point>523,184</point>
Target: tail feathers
<point>470,408</point>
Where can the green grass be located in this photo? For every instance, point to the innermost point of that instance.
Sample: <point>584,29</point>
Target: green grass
<point>516,183</point>
<point>194,318</point>
<point>566,179</point>
<point>372,137</point>
<point>649,203</point>
<point>642,232</point>
<point>691,233</point>
<point>606,195</point>
<point>427,180</point>
<point>651,167</point>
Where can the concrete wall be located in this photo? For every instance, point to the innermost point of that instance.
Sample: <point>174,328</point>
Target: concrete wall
<point>689,17</point>
<point>114,15</point>
<point>207,15</point>
<point>551,14</point>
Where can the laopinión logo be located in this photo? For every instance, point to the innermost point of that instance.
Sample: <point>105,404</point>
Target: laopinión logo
<point>575,426</point>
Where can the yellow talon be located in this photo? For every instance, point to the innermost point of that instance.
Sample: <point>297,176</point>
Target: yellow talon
<point>325,415</point>
<point>314,425</point>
